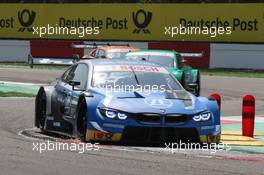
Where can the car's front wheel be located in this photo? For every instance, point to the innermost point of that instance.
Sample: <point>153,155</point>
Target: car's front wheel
<point>41,110</point>
<point>82,119</point>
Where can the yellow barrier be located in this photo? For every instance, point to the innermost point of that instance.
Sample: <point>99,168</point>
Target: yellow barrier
<point>148,22</point>
<point>233,137</point>
<point>244,143</point>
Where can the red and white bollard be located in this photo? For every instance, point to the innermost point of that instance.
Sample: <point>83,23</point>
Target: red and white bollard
<point>217,97</point>
<point>248,115</point>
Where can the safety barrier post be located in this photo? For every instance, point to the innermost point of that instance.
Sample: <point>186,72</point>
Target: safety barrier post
<point>248,115</point>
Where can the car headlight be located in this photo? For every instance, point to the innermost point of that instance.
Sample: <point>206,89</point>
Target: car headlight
<point>197,118</point>
<point>113,114</point>
<point>202,117</point>
<point>122,116</point>
<point>110,114</point>
<point>206,116</point>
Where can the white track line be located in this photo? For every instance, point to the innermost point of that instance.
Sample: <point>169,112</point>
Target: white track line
<point>241,116</point>
<point>26,137</point>
<point>21,83</point>
<point>258,118</point>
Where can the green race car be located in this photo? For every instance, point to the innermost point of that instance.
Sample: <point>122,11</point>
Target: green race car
<point>174,62</point>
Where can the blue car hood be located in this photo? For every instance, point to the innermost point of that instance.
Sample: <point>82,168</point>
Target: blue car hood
<point>147,102</point>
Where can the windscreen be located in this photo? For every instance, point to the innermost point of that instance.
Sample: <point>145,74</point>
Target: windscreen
<point>163,59</point>
<point>117,53</point>
<point>121,76</point>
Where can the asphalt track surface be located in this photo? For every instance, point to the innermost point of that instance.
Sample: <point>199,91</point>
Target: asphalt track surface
<point>18,157</point>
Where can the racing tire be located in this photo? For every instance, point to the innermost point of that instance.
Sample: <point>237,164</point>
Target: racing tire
<point>82,120</point>
<point>41,103</point>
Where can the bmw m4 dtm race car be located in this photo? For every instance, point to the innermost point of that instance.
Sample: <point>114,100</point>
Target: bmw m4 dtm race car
<point>125,101</point>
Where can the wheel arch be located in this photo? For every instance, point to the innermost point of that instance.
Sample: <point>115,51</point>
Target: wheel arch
<point>214,108</point>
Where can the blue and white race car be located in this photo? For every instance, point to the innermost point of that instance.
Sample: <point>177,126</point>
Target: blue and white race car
<point>125,101</point>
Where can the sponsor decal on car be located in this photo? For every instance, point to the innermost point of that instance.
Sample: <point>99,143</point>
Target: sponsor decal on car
<point>127,68</point>
<point>101,136</point>
<point>151,54</point>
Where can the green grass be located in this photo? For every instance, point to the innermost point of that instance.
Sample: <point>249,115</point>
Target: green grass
<point>14,64</point>
<point>233,73</point>
<point>15,94</point>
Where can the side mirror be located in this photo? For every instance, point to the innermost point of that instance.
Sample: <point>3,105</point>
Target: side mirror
<point>74,83</point>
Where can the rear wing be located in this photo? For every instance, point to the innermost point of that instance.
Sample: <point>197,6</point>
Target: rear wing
<point>191,54</point>
<point>58,61</point>
<point>95,45</point>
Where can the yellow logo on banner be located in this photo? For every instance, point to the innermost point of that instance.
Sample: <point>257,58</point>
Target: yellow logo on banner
<point>140,22</point>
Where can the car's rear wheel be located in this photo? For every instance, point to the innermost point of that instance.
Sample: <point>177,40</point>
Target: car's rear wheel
<point>41,110</point>
<point>82,119</point>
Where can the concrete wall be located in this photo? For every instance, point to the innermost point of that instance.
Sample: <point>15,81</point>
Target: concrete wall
<point>245,56</point>
<point>14,50</point>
